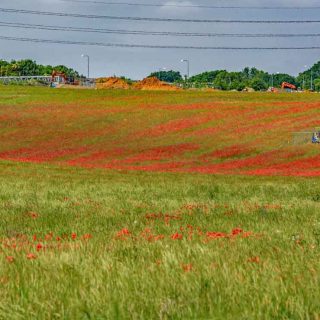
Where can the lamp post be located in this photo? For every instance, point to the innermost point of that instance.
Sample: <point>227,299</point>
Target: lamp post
<point>88,59</point>
<point>304,79</point>
<point>188,66</point>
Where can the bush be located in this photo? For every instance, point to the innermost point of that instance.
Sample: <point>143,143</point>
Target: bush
<point>258,84</point>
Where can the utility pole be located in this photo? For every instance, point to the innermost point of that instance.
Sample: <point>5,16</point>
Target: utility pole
<point>88,60</point>
<point>311,86</point>
<point>304,78</point>
<point>188,66</point>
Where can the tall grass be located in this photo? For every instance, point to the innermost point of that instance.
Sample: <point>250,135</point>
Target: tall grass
<point>272,273</point>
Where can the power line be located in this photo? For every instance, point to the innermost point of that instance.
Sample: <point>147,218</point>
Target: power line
<point>193,6</point>
<point>93,16</point>
<point>123,45</point>
<point>154,33</point>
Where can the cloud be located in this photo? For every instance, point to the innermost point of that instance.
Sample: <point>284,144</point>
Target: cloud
<point>138,63</point>
<point>180,8</point>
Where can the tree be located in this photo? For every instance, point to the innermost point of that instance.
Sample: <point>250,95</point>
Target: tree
<point>279,78</point>
<point>258,84</point>
<point>68,71</point>
<point>304,78</point>
<point>222,81</point>
<point>28,67</point>
<point>167,76</point>
<point>206,77</point>
<point>4,65</point>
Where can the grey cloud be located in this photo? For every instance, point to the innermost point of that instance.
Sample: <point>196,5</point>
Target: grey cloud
<point>137,63</point>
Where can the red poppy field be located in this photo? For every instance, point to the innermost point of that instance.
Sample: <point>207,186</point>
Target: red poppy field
<point>158,205</point>
<point>212,133</point>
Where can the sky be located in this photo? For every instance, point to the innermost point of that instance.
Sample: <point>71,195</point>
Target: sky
<point>137,63</point>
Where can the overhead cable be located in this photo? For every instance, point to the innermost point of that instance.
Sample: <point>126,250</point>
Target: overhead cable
<point>152,19</point>
<point>127,45</point>
<point>154,33</point>
<point>182,5</point>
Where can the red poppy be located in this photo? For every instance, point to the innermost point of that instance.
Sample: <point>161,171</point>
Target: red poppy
<point>236,231</point>
<point>159,237</point>
<point>123,232</point>
<point>49,236</point>
<point>39,247</point>
<point>87,236</point>
<point>247,234</point>
<point>74,236</point>
<point>10,259</point>
<point>216,235</point>
<point>33,215</point>
<point>177,236</point>
<point>187,267</point>
<point>31,256</point>
<point>254,259</point>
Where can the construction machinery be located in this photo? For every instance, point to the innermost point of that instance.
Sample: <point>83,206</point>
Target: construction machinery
<point>58,78</point>
<point>288,86</point>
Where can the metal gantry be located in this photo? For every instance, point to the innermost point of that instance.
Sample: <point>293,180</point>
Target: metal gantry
<point>8,79</point>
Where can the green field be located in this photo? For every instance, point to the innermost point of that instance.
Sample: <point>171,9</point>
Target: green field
<point>119,236</point>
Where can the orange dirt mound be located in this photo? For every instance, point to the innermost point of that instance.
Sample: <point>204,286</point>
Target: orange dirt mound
<point>154,83</point>
<point>112,83</point>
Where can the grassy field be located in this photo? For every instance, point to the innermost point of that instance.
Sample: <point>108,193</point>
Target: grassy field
<point>78,241</point>
<point>208,132</point>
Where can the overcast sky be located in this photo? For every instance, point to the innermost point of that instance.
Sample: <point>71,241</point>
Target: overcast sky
<point>137,63</point>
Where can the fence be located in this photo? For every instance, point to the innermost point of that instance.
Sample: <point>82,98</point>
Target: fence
<point>45,80</point>
<point>19,79</point>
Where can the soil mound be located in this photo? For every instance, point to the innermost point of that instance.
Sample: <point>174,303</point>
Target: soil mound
<point>112,83</point>
<point>154,83</point>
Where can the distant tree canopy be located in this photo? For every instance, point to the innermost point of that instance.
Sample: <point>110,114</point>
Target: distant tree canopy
<point>220,79</point>
<point>167,76</point>
<point>304,78</point>
<point>248,77</point>
<point>206,77</point>
<point>29,67</point>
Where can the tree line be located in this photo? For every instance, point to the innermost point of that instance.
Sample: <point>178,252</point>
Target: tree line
<point>219,79</point>
<point>28,67</point>
<point>247,78</point>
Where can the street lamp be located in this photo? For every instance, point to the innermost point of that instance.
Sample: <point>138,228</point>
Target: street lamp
<point>304,79</point>
<point>88,58</point>
<point>188,66</point>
